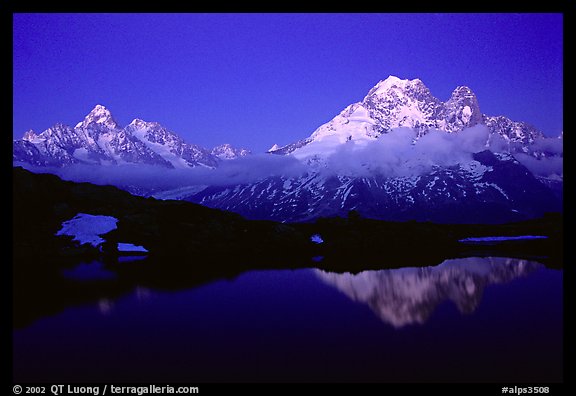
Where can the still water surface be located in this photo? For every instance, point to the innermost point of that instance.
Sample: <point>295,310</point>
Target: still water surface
<point>473,319</point>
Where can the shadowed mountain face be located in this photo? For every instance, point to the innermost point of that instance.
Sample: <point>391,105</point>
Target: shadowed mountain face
<point>488,188</point>
<point>408,296</point>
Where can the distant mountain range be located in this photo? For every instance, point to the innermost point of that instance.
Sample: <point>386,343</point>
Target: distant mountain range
<point>399,154</point>
<point>99,140</point>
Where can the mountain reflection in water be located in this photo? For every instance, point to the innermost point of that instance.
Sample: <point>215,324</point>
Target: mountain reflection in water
<point>409,296</point>
<point>292,325</point>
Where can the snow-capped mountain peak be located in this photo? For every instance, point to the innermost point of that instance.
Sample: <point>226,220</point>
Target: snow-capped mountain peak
<point>463,108</point>
<point>226,152</point>
<point>138,123</point>
<point>273,148</point>
<point>393,82</point>
<point>30,136</point>
<point>395,91</point>
<point>395,103</point>
<point>463,91</point>
<point>99,116</point>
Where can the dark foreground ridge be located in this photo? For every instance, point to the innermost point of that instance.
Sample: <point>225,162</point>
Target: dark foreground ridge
<point>190,244</point>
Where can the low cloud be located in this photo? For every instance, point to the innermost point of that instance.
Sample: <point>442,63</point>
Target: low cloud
<point>551,167</point>
<point>544,158</point>
<point>149,178</point>
<point>399,153</point>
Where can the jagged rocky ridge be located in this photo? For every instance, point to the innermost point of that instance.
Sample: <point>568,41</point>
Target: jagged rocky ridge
<point>394,103</point>
<point>100,140</point>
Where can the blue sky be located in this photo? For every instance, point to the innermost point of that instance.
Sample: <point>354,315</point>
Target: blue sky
<point>253,80</point>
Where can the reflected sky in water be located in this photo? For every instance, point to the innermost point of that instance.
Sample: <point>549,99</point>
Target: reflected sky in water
<point>466,320</point>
